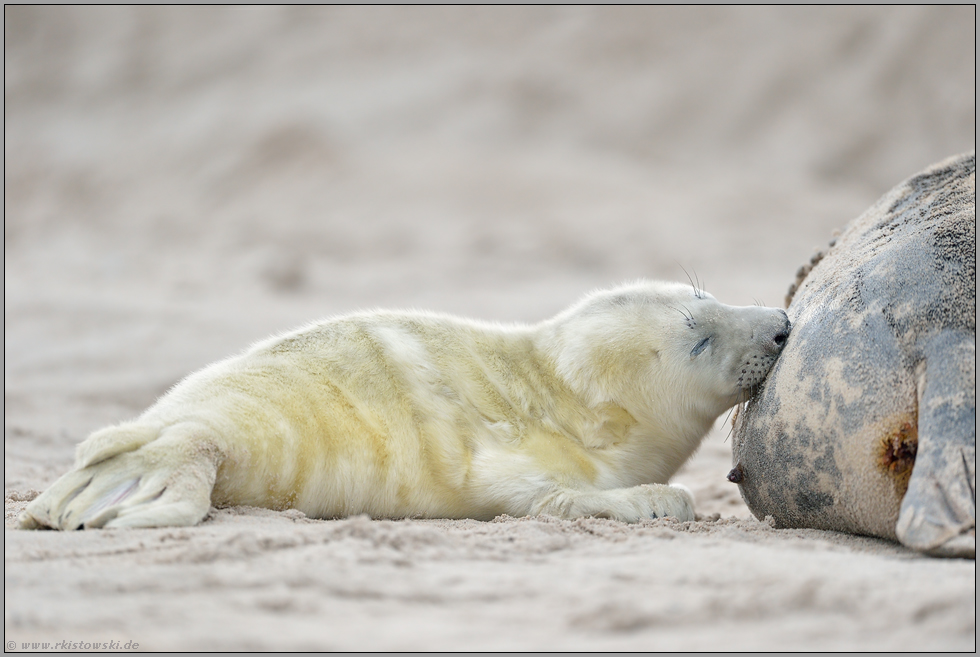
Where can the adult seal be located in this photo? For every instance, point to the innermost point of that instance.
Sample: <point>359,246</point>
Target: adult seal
<point>425,415</point>
<point>867,423</point>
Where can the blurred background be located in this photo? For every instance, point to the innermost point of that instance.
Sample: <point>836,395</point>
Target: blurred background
<point>182,181</point>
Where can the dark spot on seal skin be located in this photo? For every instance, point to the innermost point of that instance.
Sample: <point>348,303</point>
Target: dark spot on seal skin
<point>827,463</point>
<point>787,446</point>
<point>936,182</point>
<point>736,476</point>
<point>896,452</point>
<point>854,296</point>
<point>810,501</point>
<point>955,251</point>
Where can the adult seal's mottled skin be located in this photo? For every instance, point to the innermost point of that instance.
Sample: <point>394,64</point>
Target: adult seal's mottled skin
<point>867,422</point>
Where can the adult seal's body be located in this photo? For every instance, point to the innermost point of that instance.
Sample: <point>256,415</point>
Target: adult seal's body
<point>867,424</point>
<point>413,414</point>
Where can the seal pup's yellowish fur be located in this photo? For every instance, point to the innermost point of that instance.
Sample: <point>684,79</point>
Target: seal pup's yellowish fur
<point>417,414</point>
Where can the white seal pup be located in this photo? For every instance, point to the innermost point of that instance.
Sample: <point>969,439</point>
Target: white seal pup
<point>425,415</point>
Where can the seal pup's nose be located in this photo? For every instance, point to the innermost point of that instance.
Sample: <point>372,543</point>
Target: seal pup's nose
<point>780,338</point>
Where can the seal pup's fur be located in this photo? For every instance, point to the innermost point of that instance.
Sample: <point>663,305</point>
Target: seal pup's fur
<point>411,414</point>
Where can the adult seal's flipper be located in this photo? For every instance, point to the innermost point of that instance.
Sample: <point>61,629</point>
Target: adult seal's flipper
<point>939,512</point>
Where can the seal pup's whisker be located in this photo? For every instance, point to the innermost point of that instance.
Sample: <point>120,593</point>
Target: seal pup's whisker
<point>695,285</point>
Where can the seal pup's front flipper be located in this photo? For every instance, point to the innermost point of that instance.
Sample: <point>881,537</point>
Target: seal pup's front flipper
<point>166,481</point>
<point>629,504</point>
<point>939,511</point>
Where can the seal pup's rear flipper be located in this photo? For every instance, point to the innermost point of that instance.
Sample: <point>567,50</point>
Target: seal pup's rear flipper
<point>164,482</point>
<point>939,511</point>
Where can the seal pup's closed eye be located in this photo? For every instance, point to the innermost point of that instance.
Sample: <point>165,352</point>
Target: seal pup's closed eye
<point>399,414</point>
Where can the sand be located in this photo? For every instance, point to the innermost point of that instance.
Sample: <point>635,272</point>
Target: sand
<point>182,182</point>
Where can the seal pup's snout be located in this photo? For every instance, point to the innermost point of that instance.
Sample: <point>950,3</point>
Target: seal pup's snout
<point>783,334</point>
<point>780,334</point>
<point>770,334</point>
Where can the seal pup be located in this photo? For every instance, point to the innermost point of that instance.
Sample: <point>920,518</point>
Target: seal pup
<point>867,424</point>
<point>413,414</point>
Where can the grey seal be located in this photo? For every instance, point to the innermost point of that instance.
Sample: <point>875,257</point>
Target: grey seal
<point>867,422</point>
<point>415,414</point>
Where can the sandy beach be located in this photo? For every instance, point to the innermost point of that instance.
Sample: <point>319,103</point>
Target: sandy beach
<point>182,182</point>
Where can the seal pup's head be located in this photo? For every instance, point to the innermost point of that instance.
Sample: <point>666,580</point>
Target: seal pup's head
<point>664,350</point>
